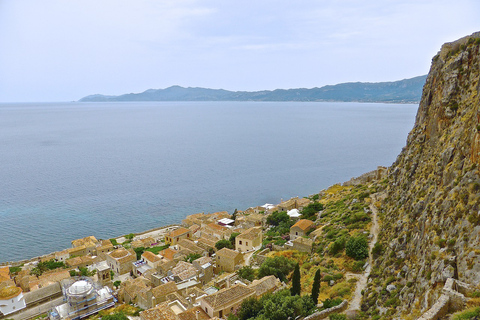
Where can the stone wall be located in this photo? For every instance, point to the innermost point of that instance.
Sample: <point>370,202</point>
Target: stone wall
<point>368,177</point>
<point>451,300</point>
<point>325,313</point>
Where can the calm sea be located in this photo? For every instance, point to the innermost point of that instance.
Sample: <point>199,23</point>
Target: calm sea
<point>69,170</point>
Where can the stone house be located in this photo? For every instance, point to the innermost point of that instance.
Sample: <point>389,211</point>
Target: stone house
<point>145,242</point>
<point>120,260</point>
<point>205,269</point>
<point>265,285</point>
<point>81,262</point>
<point>249,239</point>
<point>300,228</point>
<point>174,236</point>
<point>77,251</point>
<point>190,245</point>
<point>223,302</point>
<point>303,244</point>
<point>170,311</point>
<point>90,243</point>
<point>215,230</point>
<point>104,247</point>
<point>157,295</point>
<point>183,271</point>
<point>151,259</point>
<point>228,260</point>
<point>294,203</point>
<point>62,255</point>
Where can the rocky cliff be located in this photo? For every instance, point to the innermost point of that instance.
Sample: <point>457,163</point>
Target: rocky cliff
<point>430,212</point>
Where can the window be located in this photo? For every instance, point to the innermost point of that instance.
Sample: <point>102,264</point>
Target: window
<point>239,241</point>
<point>296,233</point>
<point>246,243</point>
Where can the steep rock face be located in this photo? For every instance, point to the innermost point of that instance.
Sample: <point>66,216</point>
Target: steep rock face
<point>430,213</point>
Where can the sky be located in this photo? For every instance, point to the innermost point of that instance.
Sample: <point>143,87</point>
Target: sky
<point>63,50</point>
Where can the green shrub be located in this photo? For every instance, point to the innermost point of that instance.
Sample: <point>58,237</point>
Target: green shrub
<point>472,313</point>
<point>357,247</point>
<point>330,303</point>
<point>337,316</point>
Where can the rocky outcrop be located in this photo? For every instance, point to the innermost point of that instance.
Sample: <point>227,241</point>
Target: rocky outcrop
<point>430,216</point>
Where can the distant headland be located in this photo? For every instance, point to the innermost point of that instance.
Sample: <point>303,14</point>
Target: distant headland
<point>402,91</point>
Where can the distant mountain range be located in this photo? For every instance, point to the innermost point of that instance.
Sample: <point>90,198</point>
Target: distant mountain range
<point>403,91</point>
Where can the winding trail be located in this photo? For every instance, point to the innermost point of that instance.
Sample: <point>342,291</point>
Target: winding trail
<point>356,301</point>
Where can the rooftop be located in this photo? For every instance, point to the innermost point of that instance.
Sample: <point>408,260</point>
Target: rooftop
<point>178,232</point>
<point>250,234</point>
<point>9,292</point>
<point>303,224</point>
<point>229,253</point>
<point>228,295</point>
<point>150,256</point>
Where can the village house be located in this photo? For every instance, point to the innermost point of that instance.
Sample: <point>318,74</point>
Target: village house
<point>228,260</point>
<point>157,295</point>
<point>294,203</point>
<point>151,259</point>
<point>120,260</point>
<point>174,236</point>
<point>205,268</point>
<point>104,247</point>
<point>223,302</point>
<point>265,285</point>
<point>300,228</point>
<point>183,271</point>
<point>190,245</point>
<point>249,240</point>
<point>131,289</point>
<point>169,311</point>
<point>203,219</point>
<point>81,262</point>
<point>89,243</point>
<point>61,256</point>
<point>215,230</point>
<point>303,244</point>
<point>145,243</point>
<point>77,251</point>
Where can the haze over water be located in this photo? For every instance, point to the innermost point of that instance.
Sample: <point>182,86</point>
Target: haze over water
<point>70,170</point>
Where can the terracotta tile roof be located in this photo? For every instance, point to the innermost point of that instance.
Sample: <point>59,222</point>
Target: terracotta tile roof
<point>226,296</point>
<point>184,270</point>
<point>134,287</point>
<point>119,253</point>
<point>217,227</point>
<point>164,289</point>
<point>87,241</point>
<point>61,253</point>
<point>150,256</point>
<point>264,285</point>
<point>72,251</point>
<point>203,260</point>
<point>191,314</point>
<point>168,253</point>
<point>74,262</point>
<point>255,217</point>
<point>161,312</point>
<point>54,276</point>
<point>194,290</point>
<point>229,253</point>
<point>194,228</point>
<point>250,234</point>
<point>188,244</point>
<point>303,224</point>
<point>178,232</point>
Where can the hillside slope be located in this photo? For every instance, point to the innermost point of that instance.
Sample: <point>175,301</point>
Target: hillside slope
<point>430,214</point>
<point>403,91</point>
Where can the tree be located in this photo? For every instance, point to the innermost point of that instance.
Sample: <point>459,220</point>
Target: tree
<point>250,308</point>
<point>247,273</point>
<point>232,238</point>
<point>115,316</point>
<point>296,286</point>
<point>234,215</point>
<point>316,287</point>
<point>280,267</point>
<point>130,236</point>
<point>357,247</point>
<point>277,217</point>
<point>117,283</point>
<point>192,256</point>
<point>139,251</point>
<point>310,211</point>
<point>223,244</point>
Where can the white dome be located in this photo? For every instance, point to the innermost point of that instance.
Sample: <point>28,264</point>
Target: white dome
<point>80,287</point>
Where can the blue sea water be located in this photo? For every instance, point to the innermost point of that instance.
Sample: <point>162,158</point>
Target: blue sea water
<point>69,170</point>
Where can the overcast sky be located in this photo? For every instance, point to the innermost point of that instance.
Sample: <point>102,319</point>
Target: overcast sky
<point>62,50</point>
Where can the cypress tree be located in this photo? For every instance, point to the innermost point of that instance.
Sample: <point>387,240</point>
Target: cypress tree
<point>296,287</point>
<point>316,287</point>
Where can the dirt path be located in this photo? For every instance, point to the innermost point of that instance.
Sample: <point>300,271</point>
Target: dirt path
<point>362,278</point>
